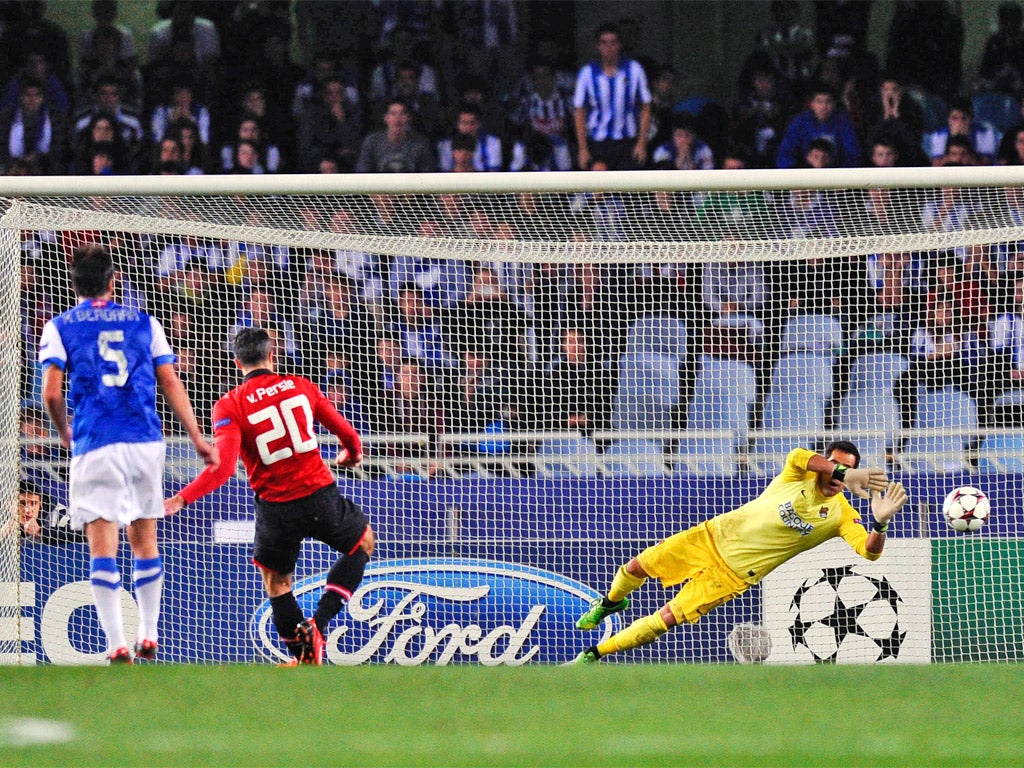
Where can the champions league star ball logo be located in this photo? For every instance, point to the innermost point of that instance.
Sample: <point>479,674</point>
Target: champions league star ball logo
<point>845,616</point>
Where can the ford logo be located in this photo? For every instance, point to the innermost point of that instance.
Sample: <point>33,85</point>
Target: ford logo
<point>449,611</point>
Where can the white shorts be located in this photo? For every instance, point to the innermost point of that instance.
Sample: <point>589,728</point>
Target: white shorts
<point>120,482</point>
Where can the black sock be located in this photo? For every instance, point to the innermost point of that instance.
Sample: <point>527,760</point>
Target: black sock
<point>287,616</point>
<point>609,603</point>
<point>593,649</point>
<point>346,575</point>
<point>328,607</point>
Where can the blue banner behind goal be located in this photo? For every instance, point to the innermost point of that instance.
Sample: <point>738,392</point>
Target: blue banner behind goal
<point>466,571</point>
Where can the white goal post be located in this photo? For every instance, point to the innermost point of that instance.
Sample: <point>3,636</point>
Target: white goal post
<point>550,372</point>
<point>859,234</point>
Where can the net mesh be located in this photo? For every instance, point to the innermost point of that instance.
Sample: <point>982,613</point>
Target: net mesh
<point>547,383</point>
<point>556,227</point>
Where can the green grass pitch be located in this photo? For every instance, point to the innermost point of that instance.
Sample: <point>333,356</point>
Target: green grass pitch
<point>611,714</point>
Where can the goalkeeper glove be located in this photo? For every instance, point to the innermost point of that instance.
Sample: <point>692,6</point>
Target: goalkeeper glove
<point>861,481</point>
<point>884,507</point>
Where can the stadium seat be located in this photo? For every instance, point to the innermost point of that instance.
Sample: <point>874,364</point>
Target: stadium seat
<point>648,391</point>
<point>822,334</point>
<point>801,387</point>
<point>722,400</point>
<point>693,105</point>
<point>943,409</point>
<point>568,457</point>
<point>877,370</point>
<point>1000,110</point>
<point>1002,453</point>
<point>495,446</point>
<point>866,411</point>
<point>657,334</point>
<point>1011,398</point>
<point>870,405</point>
<point>635,457</point>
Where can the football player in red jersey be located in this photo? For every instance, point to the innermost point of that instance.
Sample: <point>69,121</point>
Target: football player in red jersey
<point>268,419</point>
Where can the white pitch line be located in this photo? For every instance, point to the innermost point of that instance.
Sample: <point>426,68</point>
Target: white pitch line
<point>34,731</point>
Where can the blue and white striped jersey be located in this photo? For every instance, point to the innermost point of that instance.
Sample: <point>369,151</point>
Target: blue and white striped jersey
<point>487,156</point>
<point>110,354</point>
<point>613,101</point>
<point>551,116</point>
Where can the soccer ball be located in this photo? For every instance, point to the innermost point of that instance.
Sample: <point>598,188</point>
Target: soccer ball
<point>750,643</point>
<point>966,509</point>
<point>846,616</point>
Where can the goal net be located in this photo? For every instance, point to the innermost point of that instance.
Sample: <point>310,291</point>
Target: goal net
<point>550,373</point>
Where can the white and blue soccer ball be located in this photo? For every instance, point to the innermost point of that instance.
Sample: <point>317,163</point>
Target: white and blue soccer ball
<point>966,508</point>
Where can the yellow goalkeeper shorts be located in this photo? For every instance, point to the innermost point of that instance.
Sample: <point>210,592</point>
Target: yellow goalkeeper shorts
<point>691,556</point>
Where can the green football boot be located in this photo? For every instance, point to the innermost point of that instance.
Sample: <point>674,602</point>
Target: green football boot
<point>586,657</point>
<point>598,612</point>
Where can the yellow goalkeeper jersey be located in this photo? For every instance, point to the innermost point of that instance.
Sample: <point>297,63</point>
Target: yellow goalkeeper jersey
<point>789,517</point>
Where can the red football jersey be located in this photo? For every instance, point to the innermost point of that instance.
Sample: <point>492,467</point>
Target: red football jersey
<point>268,419</point>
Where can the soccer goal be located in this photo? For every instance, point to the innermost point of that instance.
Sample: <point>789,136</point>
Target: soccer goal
<point>552,372</point>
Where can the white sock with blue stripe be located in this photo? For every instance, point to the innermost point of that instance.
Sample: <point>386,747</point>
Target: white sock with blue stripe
<point>105,581</point>
<point>148,577</point>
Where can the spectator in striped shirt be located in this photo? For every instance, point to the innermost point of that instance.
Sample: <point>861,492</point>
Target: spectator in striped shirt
<point>684,151</point>
<point>543,118</point>
<point>612,107</point>
<point>487,155</point>
<point>108,99</point>
<point>181,104</point>
<point>960,122</point>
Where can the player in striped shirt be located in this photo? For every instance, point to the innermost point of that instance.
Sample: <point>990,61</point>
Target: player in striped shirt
<point>268,419</point>
<point>719,559</point>
<point>114,358</point>
<point>545,111</point>
<point>612,107</point>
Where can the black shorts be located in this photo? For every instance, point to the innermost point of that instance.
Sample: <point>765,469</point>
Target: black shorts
<point>324,515</point>
<point>617,154</point>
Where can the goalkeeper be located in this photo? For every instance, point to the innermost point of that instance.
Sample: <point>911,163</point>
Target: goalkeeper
<point>721,558</point>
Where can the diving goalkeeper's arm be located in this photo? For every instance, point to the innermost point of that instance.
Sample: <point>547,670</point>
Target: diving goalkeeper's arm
<point>882,509</point>
<point>859,481</point>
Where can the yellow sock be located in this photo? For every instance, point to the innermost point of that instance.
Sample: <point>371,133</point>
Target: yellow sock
<point>623,583</point>
<point>640,632</point>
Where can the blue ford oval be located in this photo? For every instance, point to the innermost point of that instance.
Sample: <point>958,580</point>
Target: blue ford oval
<point>449,611</point>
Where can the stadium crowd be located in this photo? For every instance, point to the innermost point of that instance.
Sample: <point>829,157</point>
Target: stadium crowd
<point>413,345</point>
<point>466,89</point>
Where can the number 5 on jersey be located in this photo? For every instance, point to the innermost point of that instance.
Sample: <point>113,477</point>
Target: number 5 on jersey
<point>113,355</point>
<point>292,417</point>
